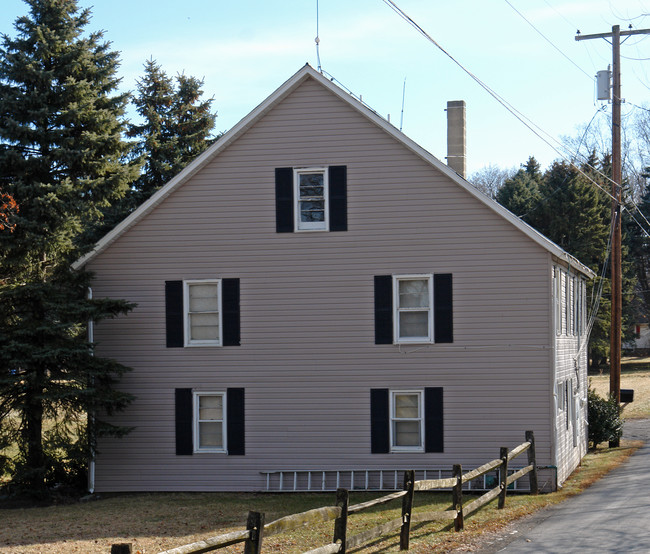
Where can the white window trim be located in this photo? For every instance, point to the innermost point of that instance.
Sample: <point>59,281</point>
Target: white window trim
<point>310,225</point>
<point>186,313</point>
<point>195,417</point>
<point>396,309</point>
<point>559,396</point>
<point>392,418</point>
<point>565,303</point>
<point>557,289</point>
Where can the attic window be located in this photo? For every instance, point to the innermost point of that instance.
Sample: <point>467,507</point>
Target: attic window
<point>311,198</point>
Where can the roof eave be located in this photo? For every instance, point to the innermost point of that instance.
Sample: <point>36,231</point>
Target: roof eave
<point>223,142</point>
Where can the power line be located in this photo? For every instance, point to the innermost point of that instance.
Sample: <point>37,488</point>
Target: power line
<point>535,129</point>
<point>522,118</point>
<point>571,24</point>
<point>548,40</point>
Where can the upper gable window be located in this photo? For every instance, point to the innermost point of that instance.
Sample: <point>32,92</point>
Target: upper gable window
<point>311,199</point>
<point>203,313</point>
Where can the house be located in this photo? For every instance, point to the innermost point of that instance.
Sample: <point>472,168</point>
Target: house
<point>640,343</point>
<point>321,302</point>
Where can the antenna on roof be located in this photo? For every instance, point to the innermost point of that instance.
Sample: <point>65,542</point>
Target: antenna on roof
<point>317,40</point>
<point>401,117</point>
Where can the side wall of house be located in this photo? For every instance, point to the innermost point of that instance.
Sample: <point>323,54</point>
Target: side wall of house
<point>571,380</point>
<point>308,359</point>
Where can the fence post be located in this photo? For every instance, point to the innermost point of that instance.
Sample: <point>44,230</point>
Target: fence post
<point>255,524</point>
<point>532,476</point>
<point>341,522</point>
<point>121,548</point>
<point>457,498</point>
<point>407,509</point>
<point>503,476</point>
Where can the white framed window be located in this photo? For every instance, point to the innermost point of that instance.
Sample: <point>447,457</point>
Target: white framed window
<point>565,303</point>
<point>413,307</point>
<point>203,315</point>
<point>559,396</point>
<point>406,421</point>
<point>311,199</point>
<point>557,291</point>
<point>210,422</point>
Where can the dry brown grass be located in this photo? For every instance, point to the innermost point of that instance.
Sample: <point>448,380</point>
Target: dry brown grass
<point>635,374</point>
<point>155,522</point>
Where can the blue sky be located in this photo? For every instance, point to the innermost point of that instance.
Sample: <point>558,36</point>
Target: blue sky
<point>246,49</point>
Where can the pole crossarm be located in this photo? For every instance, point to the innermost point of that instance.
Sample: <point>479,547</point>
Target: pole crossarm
<point>611,34</point>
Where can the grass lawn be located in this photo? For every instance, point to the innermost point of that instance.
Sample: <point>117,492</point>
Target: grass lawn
<point>635,374</point>
<point>160,521</point>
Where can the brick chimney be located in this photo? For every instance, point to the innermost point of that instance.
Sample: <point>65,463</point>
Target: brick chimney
<point>456,136</point>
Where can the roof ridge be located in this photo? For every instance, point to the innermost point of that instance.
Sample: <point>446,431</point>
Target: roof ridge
<point>305,72</point>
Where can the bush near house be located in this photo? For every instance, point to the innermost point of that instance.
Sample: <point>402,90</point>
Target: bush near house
<point>605,421</point>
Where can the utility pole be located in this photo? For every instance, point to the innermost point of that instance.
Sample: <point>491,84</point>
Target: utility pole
<point>616,275</point>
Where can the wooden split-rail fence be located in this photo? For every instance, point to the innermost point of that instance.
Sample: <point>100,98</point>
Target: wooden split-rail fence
<point>257,529</point>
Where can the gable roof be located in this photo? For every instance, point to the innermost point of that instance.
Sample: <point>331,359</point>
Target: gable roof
<point>308,72</point>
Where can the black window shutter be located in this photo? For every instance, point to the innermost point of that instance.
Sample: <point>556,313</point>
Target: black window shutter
<point>383,309</point>
<point>235,419</point>
<point>230,316</point>
<point>174,313</point>
<point>443,313</point>
<point>183,399</point>
<point>379,421</point>
<point>433,420</point>
<point>284,200</point>
<point>338,197</point>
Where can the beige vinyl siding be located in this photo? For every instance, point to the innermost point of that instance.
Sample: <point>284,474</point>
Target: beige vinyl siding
<point>571,439</point>
<point>307,358</point>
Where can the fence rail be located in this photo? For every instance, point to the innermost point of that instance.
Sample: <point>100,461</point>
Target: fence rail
<point>256,529</point>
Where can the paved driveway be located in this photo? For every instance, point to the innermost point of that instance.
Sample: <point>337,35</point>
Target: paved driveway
<point>613,515</point>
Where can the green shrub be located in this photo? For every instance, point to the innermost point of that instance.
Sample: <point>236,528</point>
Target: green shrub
<point>605,421</point>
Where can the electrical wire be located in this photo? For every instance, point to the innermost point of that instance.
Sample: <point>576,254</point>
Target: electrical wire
<point>571,24</point>
<point>548,40</point>
<point>535,129</point>
<point>595,303</point>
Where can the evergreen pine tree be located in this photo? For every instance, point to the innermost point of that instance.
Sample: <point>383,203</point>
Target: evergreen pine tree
<point>520,194</point>
<point>176,127</point>
<point>62,159</point>
<point>576,215</point>
<point>638,243</point>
